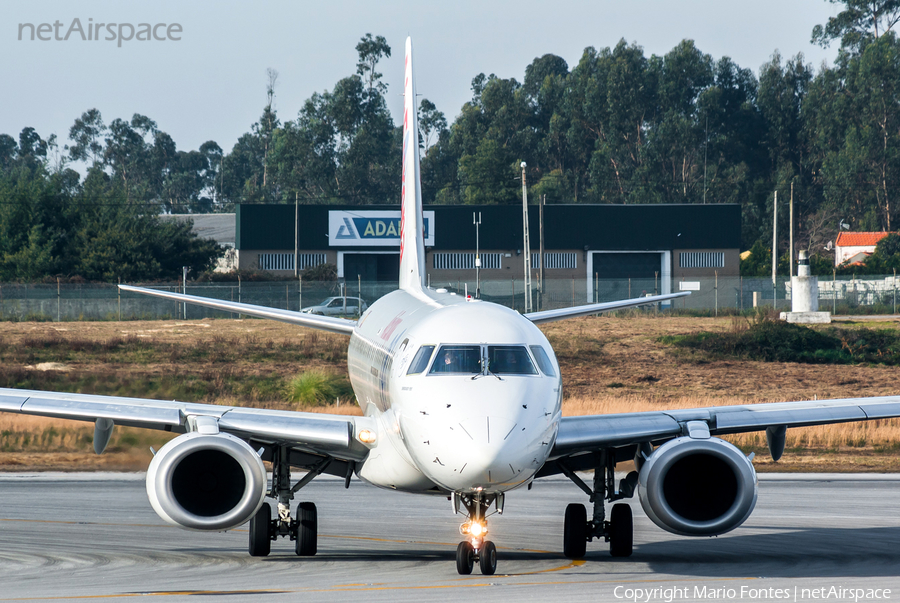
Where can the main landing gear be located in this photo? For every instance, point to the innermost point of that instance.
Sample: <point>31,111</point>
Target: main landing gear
<point>619,530</point>
<point>476,549</point>
<point>303,528</point>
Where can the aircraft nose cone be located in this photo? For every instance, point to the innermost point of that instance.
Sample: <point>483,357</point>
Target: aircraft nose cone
<point>487,458</point>
<point>483,430</point>
<point>485,452</point>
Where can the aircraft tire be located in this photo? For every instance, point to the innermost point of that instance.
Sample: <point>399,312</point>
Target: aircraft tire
<point>487,560</point>
<point>465,558</point>
<point>621,531</point>
<point>306,544</point>
<point>260,539</point>
<point>575,531</point>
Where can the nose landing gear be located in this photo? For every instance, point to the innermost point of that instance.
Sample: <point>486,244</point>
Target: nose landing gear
<point>476,548</point>
<point>484,552</point>
<point>465,558</point>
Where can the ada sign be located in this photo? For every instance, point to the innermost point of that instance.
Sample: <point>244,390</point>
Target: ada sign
<point>371,228</point>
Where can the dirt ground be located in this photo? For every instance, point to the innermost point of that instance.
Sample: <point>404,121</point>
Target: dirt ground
<point>611,363</point>
<point>622,353</point>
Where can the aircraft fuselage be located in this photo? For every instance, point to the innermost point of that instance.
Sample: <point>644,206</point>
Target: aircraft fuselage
<point>467,394</point>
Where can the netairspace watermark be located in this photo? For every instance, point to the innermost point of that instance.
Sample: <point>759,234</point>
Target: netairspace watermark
<point>108,32</point>
<point>670,594</point>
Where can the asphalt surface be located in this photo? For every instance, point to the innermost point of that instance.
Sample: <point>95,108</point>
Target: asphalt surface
<point>94,536</point>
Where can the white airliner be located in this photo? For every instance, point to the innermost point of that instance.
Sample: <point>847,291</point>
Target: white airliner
<point>461,398</point>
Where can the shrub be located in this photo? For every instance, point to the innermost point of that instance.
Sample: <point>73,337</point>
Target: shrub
<point>317,388</point>
<point>776,341</point>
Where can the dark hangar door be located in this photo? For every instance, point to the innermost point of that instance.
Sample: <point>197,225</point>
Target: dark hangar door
<point>626,265</point>
<point>625,275</point>
<point>372,267</point>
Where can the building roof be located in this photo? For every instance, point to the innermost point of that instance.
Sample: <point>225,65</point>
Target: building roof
<point>858,258</point>
<point>859,239</point>
<point>633,227</point>
<point>218,227</point>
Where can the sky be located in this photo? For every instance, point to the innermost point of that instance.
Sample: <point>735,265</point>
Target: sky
<point>210,84</point>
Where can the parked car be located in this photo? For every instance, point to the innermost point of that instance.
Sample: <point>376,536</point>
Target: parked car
<point>334,306</point>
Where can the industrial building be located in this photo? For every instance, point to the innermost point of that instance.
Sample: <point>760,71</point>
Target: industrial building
<point>661,241</point>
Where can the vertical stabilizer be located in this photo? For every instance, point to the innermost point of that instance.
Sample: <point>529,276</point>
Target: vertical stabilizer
<point>412,243</point>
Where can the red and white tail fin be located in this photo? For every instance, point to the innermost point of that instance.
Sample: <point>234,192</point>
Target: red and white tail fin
<point>412,243</point>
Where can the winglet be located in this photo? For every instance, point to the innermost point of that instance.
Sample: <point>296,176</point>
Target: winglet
<point>412,243</point>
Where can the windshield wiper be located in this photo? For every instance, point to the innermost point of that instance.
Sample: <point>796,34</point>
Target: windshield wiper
<point>485,374</point>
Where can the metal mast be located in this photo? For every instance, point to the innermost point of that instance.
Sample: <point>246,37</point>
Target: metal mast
<point>526,245</point>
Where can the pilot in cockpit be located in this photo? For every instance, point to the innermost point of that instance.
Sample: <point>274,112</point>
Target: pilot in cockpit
<point>450,362</point>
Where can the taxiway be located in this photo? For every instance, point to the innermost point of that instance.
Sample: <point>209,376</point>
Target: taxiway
<point>85,536</point>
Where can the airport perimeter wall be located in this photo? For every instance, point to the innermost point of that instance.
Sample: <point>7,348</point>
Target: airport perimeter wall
<point>713,295</point>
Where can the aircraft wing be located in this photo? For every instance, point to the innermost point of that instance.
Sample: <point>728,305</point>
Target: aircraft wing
<point>322,323</point>
<point>590,433</point>
<point>323,435</point>
<point>563,313</point>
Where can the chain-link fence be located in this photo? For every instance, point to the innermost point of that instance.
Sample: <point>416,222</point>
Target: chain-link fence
<point>708,294</point>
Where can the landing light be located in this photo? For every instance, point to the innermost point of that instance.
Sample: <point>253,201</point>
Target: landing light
<point>366,436</point>
<point>473,528</point>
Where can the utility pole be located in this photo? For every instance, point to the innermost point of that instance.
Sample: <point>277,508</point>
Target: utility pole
<point>541,254</point>
<point>184,271</point>
<point>477,223</point>
<point>296,234</point>
<point>791,237</point>
<point>774,243</point>
<point>526,245</point>
<point>705,153</point>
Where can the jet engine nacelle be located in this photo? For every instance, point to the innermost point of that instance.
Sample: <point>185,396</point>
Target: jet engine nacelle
<point>206,482</point>
<point>698,487</point>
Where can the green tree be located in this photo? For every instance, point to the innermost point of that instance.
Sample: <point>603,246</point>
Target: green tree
<point>431,124</point>
<point>492,135</point>
<point>8,151</point>
<point>677,136</point>
<point>861,22</point>
<point>371,50</point>
<point>86,135</point>
<point>545,84</point>
<point>53,224</point>
<point>853,120</point>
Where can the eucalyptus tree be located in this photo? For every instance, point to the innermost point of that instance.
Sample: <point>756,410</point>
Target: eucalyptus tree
<point>861,22</point>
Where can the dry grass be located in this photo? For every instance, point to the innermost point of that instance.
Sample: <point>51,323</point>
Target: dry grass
<point>609,365</point>
<point>878,436</point>
<point>29,443</point>
<point>617,365</point>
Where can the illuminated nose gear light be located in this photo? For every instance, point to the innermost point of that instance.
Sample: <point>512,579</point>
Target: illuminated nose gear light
<point>475,529</point>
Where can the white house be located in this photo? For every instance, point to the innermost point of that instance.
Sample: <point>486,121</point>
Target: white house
<point>852,247</point>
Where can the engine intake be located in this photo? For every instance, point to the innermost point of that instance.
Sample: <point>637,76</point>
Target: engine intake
<point>206,482</point>
<point>698,487</point>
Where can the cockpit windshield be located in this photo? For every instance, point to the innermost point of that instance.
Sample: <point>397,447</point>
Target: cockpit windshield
<point>510,360</point>
<point>458,359</point>
<point>543,360</point>
<point>420,362</point>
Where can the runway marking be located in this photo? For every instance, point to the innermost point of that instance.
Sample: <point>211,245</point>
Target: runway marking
<point>575,563</point>
<point>366,587</point>
<point>546,583</point>
<point>338,536</point>
<point>88,523</point>
<point>168,593</point>
<point>451,544</point>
